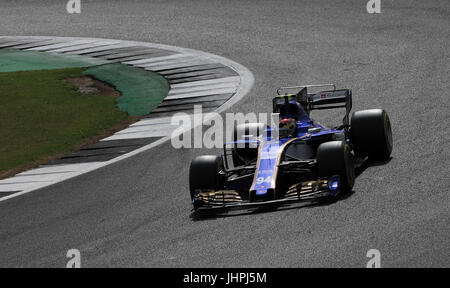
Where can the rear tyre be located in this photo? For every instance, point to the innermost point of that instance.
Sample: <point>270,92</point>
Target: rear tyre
<point>371,134</point>
<point>204,173</point>
<point>334,158</point>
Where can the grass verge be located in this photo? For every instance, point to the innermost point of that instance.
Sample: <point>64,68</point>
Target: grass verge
<point>43,117</point>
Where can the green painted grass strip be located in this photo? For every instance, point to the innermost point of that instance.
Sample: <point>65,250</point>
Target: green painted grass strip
<point>142,90</point>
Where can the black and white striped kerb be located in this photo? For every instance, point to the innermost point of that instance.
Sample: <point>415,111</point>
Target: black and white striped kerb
<point>195,77</point>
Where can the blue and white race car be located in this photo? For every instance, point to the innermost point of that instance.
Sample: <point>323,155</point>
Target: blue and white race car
<point>307,161</point>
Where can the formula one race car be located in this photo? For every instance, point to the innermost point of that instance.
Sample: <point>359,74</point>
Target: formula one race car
<point>306,160</point>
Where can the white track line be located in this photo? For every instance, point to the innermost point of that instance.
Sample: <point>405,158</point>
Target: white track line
<point>153,121</point>
<point>116,45</point>
<point>31,178</point>
<point>147,128</point>
<point>173,96</point>
<point>50,48</point>
<point>82,46</point>
<point>177,65</point>
<point>138,135</point>
<point>163,63</point>
<point>232,79</point>
<point>203,88</point>
<point>41,43</point>
<point>6,44</point>
<point>62,168</point>
<point>156,59</point>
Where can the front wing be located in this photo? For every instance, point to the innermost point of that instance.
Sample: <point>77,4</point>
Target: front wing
<point>304,191</point>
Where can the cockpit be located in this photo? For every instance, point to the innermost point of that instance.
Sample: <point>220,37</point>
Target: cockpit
<point>288,107</point>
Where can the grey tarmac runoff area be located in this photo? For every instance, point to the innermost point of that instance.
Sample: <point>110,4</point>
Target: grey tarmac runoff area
<point>136,212</point>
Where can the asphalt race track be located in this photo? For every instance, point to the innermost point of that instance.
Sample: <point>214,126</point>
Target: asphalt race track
<point>137,212</point>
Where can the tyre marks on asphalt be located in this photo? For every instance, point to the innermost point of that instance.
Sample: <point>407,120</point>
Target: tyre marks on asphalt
<point>195,78</point>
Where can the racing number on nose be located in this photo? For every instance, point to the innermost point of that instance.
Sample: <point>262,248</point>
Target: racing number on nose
<point>261,180</point>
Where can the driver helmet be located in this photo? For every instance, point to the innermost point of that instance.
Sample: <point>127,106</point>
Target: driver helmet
<point>290,126</point>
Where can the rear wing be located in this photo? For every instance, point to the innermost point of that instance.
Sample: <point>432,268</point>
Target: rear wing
<point>321,99</point>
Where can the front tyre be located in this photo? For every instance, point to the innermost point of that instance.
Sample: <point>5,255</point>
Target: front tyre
<point>334,158</point>
<point>204,173</point>
<point>371,134</point>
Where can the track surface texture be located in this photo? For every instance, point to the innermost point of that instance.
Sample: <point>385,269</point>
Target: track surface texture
<point>137,212</point>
